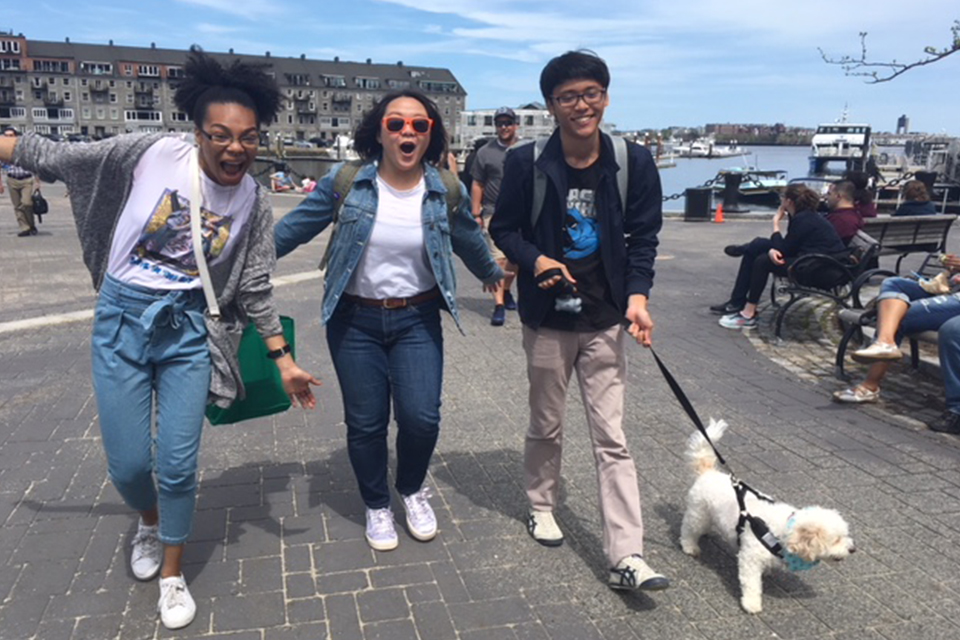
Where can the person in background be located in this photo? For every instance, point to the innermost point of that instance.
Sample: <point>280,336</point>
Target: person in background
<point>21,184</point>
<point>863,192</point>
<point>916,201</point>
<point>586,268</point>
<point>903,307</point>
<point>309,184</point>
<point>389,275</point>
<point>808,232</point>
<point>155,349</point>
<point>949,348</point>
<point>487,172</point>
<point>842,210</point>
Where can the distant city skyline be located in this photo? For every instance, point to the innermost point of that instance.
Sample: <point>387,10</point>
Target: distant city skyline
<point>673,64</point>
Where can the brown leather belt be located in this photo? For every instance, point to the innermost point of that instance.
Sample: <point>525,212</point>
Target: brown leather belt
<point>394,303</point>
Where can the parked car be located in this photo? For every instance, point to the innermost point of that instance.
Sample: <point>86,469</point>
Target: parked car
<point>302,144</point>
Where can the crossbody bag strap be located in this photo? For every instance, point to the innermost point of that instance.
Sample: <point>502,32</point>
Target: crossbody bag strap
<point>195,230</point>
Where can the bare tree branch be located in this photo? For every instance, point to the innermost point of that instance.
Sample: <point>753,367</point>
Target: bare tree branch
<point>877,72</point>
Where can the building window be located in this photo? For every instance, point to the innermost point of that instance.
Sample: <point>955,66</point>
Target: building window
<point>66,82</point>
<point>367,83</point>
<point>96,68</point>
<point>128,69</point>
<point>334,81</point>
<point>175,72</point>
<point>67,96</point>
<point>9,46</point>
<point>101,113</point>
<point>85,97</point>
<point>85,112</point>
<point>9,64</point>
<point>114,114</point>
<point>113,98</point>
<point>178,116</point>
<point>133,116</point>
<point>129,98</point>
<point>84,82</point>
<point>148,70</point>
<point>51,66</point>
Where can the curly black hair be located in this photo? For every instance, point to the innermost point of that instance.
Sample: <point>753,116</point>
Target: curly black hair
<point>208,82</point>
<point>365,140</point>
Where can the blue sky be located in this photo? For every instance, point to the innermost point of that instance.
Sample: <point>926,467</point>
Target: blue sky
<point>687,62</point>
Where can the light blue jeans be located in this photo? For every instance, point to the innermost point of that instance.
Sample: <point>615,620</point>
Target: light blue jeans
<point>151,345</point>
<point>926,313</point>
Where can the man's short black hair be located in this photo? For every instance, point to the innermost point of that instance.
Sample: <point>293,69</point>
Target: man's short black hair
<point>582,64</point>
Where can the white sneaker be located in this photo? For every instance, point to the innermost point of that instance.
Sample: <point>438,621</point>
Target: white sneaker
<point>543,528</point>
<point>177,608</point>
<point>634,573</point>
<point>421,521</point>
<point>147,553</point>
<point>381,533</point>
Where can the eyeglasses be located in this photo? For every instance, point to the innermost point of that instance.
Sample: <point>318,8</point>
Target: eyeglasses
<point>395,124</point>
<point>247,140</point>
<point>590,96</point>
<point>505,123</point>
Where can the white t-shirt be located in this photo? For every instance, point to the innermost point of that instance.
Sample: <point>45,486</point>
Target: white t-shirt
<point>152,244</point>
<point>394,263</point>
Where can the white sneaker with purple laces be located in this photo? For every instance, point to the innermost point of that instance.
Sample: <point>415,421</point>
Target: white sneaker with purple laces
<point>421,520</point>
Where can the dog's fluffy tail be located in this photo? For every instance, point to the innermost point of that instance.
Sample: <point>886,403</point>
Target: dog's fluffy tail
<point>701,455</point>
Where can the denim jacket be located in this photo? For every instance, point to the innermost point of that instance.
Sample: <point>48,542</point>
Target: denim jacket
<point>443,235</point>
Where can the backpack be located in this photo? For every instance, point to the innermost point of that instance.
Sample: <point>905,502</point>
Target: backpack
<point>343,182</point>
<point>540,178</point>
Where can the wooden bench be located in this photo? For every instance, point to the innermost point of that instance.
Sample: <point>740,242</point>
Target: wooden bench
<point>903,235</point>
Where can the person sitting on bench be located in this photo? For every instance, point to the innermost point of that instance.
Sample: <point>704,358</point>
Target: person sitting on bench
<point>903,308</point>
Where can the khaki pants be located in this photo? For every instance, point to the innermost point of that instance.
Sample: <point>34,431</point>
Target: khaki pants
<point>21,194</point>
<point>600,363</point>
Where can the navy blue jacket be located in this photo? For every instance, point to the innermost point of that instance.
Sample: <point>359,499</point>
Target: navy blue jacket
<point>628,242</point>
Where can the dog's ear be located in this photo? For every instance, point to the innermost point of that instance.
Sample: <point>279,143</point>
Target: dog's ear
<point>807,541</point>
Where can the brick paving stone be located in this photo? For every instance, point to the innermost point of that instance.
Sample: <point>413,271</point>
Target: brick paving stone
<point>309,631</point>
<point>243,612</point>
<point>432,620</point>
<point>342,616</point>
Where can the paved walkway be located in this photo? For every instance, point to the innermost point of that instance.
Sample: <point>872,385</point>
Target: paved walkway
<point>277,550</point>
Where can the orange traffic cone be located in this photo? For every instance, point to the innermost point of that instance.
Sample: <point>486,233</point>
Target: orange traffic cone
<point>719,217</point>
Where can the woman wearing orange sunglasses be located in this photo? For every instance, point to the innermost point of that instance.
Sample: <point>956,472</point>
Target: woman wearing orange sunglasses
<point>389,273</point>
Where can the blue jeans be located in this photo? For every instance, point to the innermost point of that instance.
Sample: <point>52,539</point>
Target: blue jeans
<point>926,312</point>
<point>152,344</point>
<point>382,355</point>
<point>949,345</point>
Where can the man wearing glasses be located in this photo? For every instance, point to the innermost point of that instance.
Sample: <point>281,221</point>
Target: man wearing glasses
<point>487,172</point>
<point>583,245</point>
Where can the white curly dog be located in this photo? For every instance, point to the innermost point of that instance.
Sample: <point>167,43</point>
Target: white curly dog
<point>807,535</point>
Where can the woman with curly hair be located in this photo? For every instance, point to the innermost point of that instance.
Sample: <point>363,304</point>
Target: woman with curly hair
<point>389,274</point>
<point>155,347</point>
<point>808,232</point>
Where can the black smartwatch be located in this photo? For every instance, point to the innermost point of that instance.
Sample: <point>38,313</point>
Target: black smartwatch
<point>276,354</point>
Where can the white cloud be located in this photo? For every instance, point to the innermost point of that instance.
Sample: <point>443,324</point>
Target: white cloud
<point>249,9</point>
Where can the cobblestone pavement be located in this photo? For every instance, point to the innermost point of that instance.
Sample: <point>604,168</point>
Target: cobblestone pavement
<point>277,550</point>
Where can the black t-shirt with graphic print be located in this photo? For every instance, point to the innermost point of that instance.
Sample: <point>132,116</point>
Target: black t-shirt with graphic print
<point>581,254</point>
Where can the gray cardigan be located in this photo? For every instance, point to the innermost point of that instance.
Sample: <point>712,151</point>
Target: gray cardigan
<point>99,176</point>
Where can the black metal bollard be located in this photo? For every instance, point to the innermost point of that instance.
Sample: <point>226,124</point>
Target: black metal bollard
<point>698,204</point>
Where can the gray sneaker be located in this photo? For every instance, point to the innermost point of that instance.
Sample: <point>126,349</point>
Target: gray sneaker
<point>381,533</point>
<point>634,573</point>
<point>421,520</point>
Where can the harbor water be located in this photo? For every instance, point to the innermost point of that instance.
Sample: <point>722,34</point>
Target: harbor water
<point>693,172</point>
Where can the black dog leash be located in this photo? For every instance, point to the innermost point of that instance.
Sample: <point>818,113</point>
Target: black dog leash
<point>759,528</point>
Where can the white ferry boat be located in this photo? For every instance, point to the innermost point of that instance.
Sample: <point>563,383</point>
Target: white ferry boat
<point>838,147</point>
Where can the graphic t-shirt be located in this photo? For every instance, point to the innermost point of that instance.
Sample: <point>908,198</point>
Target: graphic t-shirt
<point>152,244</point>
<point>581,254</point>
